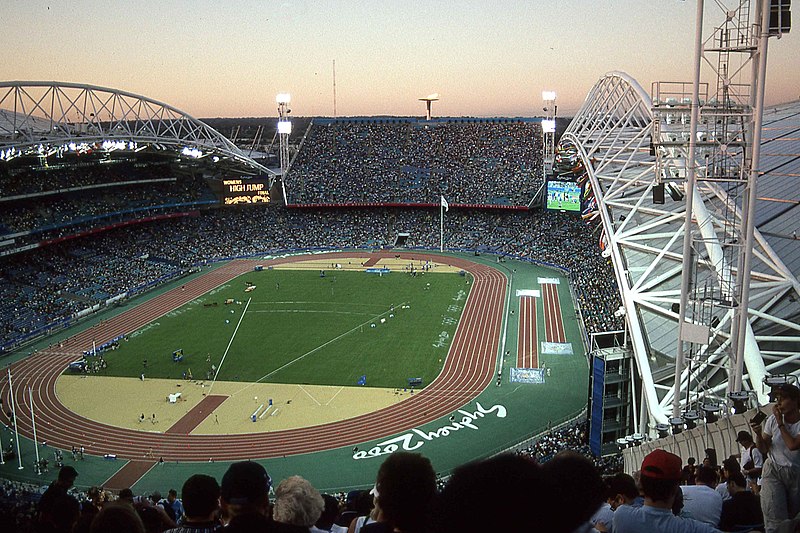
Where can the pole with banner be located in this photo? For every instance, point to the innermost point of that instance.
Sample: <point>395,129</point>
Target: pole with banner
<point>443,206</point>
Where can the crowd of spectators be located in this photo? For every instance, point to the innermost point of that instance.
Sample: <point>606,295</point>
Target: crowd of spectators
<point>551,485</point>
<point>404,482</point>
<point>37,205</point>
<point>55,282</point>
<point>490,162</point>
<point>572,437</point>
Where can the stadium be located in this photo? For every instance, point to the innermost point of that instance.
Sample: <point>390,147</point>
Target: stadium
<point>316,293</point>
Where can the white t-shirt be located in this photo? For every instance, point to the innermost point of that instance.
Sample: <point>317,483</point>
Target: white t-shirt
<point>781,455</point>
<point>753,454</point>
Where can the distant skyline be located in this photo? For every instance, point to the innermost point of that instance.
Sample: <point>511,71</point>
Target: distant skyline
<point>485,58</point>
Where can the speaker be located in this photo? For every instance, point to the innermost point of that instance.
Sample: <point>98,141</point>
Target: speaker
<point>658,194</point>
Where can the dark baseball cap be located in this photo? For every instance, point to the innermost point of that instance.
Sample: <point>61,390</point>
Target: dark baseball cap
<point>787,390</point>
<point>245,482</point>
<point>744,436</point>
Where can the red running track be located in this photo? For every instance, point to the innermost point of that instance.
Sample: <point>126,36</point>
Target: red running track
<point>468,369</point>
<point>527,349</point>
<point>553,322</point>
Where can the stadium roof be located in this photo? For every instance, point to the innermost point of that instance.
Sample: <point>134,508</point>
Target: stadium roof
<point>778,209</point>
<point>49,119</point>
<point>613,134</point>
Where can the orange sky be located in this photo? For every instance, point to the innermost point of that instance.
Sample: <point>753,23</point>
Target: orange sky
<point>485,58</point>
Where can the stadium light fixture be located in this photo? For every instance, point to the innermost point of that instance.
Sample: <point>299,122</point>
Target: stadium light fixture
<point>548,125</point>
<point>285,127</point>
<point>283,98</point>
<point>548,96</point>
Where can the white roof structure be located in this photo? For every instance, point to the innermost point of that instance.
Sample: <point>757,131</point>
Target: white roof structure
<point>613,136</point>
<point>43,117</point>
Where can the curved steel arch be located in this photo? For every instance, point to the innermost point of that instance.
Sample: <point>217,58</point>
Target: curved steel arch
<point>39,116</point>
<point>613,134</point>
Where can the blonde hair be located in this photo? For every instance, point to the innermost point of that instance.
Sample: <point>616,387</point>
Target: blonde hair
<point>297,502</point>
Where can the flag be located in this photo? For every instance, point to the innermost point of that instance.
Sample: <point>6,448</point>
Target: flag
<point>445,204</point>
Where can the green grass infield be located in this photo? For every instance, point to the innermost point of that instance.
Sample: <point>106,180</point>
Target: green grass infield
<point>296,326</point>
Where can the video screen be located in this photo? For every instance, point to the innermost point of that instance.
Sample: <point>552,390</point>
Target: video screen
<point>563,196</point>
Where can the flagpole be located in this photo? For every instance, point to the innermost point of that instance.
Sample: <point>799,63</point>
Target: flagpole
<point>33,423</point>
<point>14,414</point>
<point>441,227</point>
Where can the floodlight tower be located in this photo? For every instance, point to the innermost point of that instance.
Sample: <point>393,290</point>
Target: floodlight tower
<point>549,129</point>
<point>284,129</point>
<point>428,99</point>
<point>707,137</point>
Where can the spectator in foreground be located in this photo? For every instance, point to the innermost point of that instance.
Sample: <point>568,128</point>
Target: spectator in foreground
<point>660,480</point>
<point>780,439</point>
<point>201,505</point>
<point>622,490</point>
<point>505,493</point>
<point>405,493</point>
<point>326,520</point>
<point>576,491</point>
<point>117,517</point>
<point>701,501</point>
<point>244,495</point>
<point>64,481</point>
<point>729,467</point>
<point>298,505</point>
<point>743,509</point>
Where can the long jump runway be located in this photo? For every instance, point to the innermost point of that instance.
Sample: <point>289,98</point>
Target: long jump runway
<point>468,369</point>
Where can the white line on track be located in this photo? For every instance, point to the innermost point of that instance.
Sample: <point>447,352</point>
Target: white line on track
<point>309,395</point>
<point>229,346</point>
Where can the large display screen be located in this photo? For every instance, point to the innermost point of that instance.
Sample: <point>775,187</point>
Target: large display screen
<point>245,191</point>
<point>563,196</point>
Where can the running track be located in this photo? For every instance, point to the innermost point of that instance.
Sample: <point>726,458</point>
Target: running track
<point>527,352</point>
<point>553,323</point>
<point>468,369</point>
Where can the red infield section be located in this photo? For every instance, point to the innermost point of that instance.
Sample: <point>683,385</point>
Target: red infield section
<point>468,369</point>
<point>527,353</point>
<point>553,323</point>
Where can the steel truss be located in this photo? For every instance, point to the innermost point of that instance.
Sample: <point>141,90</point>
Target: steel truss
<point>51,118</point>
<point>613,133</point>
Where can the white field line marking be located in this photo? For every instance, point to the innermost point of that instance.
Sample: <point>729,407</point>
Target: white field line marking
<point>334,396</point>
<point>309,395</point>
<point>315,311</point>
<point>229,346</point>
<point>298,358</point>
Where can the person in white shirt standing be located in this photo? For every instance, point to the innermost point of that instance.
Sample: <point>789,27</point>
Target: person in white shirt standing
<point>780,438</point>
<point>752,461</point>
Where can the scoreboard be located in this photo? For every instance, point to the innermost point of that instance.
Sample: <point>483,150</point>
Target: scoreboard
<point>245,191</point>
<point>563,196</point>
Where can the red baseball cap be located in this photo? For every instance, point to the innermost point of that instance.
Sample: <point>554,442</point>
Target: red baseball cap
<point>660,464</point>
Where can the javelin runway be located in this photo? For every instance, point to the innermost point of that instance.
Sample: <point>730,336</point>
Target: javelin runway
<point>468,369</point>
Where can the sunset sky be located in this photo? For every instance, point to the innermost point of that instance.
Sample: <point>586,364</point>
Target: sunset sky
<point>485,58</point>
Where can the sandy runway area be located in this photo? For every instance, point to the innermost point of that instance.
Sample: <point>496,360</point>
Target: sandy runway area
<point>121,402</point>
<point>357,263</point>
